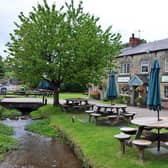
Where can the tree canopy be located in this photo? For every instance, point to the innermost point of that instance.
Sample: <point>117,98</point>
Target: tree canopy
<point>61,45</point>
<point>2,68</point>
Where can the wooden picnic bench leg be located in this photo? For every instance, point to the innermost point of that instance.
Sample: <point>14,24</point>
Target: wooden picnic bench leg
<point>122,143</point>
<point>90,118</point>
<point>122,138</point>
<point>141,150</point>
<point>158,138</point>
<point>139,132</point>
<point>96,117</point>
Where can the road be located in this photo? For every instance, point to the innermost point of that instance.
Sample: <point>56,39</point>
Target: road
<point>140,112</point>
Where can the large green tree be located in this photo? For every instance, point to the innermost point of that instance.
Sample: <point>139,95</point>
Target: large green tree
<point>2,68</point>
<point>61,45</point>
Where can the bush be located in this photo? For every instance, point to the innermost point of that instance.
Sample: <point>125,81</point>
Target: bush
<point>119,100</point>
<point>42,127</point>
<point>125,87</point>
<point>139,89</point>
<point>11,113</point>
<point>2,109</point>
<point>122,99</point>
<point>35,114</point>
<point>7,143</point>
<point>126,99</point>
<point>95,94</point>
<point>72,87</point>
<point>139,100</point>
<point>6,130</point>
<point>44,111</point>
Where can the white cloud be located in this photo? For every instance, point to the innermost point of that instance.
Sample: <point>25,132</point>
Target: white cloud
<point>126,16</point>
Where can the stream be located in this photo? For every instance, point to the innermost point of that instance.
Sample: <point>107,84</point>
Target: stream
<point>37,151</point>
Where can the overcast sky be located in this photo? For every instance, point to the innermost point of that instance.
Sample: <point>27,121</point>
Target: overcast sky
<point>125,16</point>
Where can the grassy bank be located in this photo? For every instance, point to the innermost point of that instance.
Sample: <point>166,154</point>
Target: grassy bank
<point>7,143</point>
<point>98,145</point>
<point>71,95</point>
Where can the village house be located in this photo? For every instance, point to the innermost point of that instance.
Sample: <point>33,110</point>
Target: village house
<point>135,62</point>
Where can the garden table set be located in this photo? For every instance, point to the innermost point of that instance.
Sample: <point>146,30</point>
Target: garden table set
<point>114,113</point>
<point>77,104</point>
<point>152,123</point>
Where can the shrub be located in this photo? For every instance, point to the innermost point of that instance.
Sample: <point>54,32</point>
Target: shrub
<point>44,111</point>
<point>125,87</point>
<point>95,94</point>
<point>35,114</point>
<point>6,129</point>
<point>88,85</point>
<point>7,143</point>
<point>126,99</point>
<point>139,89</point>
<point>119,100</point>
<point>100,86</point>
<point>11,113</point>
<point>2,109</point>
<point>139,100</point>
<point>42,127</point>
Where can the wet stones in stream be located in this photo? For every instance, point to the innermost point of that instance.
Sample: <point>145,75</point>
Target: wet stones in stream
<point>38,152</point>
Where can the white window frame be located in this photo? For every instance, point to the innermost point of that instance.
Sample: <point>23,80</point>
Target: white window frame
<point>144,63</point>
<point>166,64</point>
<point>166,91</point>
<point>124,68</point>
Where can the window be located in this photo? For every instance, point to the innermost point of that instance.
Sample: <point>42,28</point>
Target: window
<point>124,68</point>
<point>144,66</point>
<point>166,64</point>
<point>166,91</point>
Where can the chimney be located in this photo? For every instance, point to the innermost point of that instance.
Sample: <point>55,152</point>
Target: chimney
<point>133,41</point>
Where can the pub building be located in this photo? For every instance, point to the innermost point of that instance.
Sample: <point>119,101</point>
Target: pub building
<point>134,67</point>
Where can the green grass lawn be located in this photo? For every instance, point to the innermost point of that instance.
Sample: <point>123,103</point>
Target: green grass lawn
<point>7,143</point>
<point>71,95</point>
<point>98,144</point>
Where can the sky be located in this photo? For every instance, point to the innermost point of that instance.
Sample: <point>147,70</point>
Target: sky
<point>147,19</point>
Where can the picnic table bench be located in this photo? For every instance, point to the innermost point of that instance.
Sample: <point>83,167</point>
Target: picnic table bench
<point>77,104</point>
<point>111,112</point>
<point>151,122</point>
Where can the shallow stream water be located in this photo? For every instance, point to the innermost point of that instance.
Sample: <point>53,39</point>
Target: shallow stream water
<point>36,151</point>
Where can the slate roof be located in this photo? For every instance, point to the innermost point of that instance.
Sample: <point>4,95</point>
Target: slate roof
<point>145,48</point>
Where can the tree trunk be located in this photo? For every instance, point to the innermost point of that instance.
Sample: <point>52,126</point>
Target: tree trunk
<point>56,96</point>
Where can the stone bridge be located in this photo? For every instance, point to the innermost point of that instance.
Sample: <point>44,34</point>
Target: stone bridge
<point>23,103</point>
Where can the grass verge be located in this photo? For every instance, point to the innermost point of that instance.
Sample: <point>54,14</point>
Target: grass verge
<point>7,143</point>
<point>98,145</point>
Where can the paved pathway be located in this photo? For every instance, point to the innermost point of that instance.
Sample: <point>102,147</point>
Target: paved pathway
<point>140,112</point>
<point>143,112</point>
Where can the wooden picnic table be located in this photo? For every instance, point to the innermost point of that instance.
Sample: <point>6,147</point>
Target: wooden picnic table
<point>111,112</point>
<point>151,122</point>
<point>119,106</point>
<point>76,101</point>
<point>108,110</point>
<point>77,104</point>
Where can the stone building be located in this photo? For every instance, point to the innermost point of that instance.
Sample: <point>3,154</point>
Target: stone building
<point>135,63</point>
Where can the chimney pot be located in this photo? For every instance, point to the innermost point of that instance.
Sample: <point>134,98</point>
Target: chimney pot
<point>133,35</point>
<point>133,41</point>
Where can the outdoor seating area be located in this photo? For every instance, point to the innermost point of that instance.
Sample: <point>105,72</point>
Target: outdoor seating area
<point>112,113</point>
<point>152,123</point>
<point>127,139</point>
<point>77,104</point>
<point>77,91</point>
<point>143,135</point>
